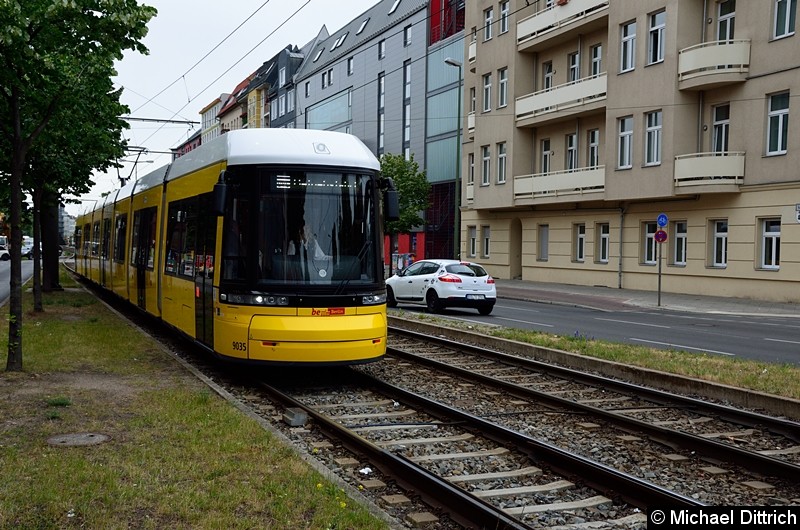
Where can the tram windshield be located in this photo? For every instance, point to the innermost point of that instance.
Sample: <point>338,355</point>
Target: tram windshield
<point>300,227</point>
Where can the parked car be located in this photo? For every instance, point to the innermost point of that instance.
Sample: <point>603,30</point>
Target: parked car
<point>4,255</point>
<point>442,283</point>
<point>27,251</point>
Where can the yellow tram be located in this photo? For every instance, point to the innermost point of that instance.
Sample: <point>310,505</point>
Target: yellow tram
<point>263,245</point>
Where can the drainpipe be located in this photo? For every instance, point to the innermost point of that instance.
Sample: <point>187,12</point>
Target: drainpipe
<point>621,227</point>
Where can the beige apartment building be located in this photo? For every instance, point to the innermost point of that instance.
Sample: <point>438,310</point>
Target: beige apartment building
<point>594,129</point>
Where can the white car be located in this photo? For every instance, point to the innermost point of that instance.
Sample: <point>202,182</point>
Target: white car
<point>441,283</point>
<point>4,255</point>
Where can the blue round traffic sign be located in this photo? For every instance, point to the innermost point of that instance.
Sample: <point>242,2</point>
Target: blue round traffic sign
<point>662,219</point>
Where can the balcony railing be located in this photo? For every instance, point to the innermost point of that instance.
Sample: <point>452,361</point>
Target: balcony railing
<point>470,192</point>
<point>712,64</point>
<point>703,169</point>
<point>561,97</point>
<point>560,183</point>
<point>556,17</point>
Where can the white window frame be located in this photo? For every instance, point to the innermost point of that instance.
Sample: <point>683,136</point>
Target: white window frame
<point>501,162</point>
<point>502,87</point>
<point>720,128</point>
<point>290,100</point>
<point>625,142</point>
<point>504,10</point>
<point>488,19</point>
<point>719,248</point>
<point>547,76</point>
<point>381,49</point>
<point>571,152</point>
<point>573,67</point>
<point>546,156</point>
<point>543,242</point>
<point>726,21</point>
<point>486,165</point>
<point>471,169</point>
<point>627,60</point>
<point>580,242</point>
<point>282,77</point>
<point>656,36</point>
<point>787,28</point>
<point>472,237</point>
<point>473,99</point>
<point>596,53</point>
<point>777,117</point>
<point>308,89</point>
<point>407,36</point>
<point>281,105</point>
<point>650,250</point>
<point>486,236</point>
<point>487,93</point>
<point>593,155</point>
<point>680,239</point>
<point>350,66</point>
<point>771,243</point>
<point>653,135</point>
<point>603,242</point>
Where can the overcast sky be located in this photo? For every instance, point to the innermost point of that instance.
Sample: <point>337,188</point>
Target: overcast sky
<point>199,50</point>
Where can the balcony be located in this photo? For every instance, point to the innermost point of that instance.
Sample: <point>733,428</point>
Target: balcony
<point>713,64</point>
<point>584,183</point>
<point>559,22</point>
<point>584,96</point>
<point>709,172</point>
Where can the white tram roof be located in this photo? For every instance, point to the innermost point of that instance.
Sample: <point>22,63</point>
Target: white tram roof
<point>278,146</point>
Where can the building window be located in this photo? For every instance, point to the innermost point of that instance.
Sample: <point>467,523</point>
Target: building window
<point>308,89</point>
<point>502,89</point>
<point>653,138</point>
<point>488,18</point>
<point>281,104</point>
<point>290,100</point>
<point>543,243</point>
<point>381,49</point>
<point>596,53</point>
<point>487,92</point>
<point>486,167</point>
<point>407,36</point>
<point>771,244</point>
<point>603,242</point>
<point>628,47</point>
<point>574,68</point>
<point>571,161</point>
<point>471,169</point>
<point>504,17</point>
<point>501,163</point>
<point>625,143</point>
<point>381,111</point>
<point>407,80</point>
<point>655,45</point>
<point>593,157</point>
<point>778,124</point>
<point>579,236</point>
<point>472,99</point>
<point>486,234</point>
<point>719,250</point>
<point>785,13</point>
<point>650,254</point>
<point>547,76</point>
<point>350,66</point>
<point>546,154</point>
<point>394,6</point>
<point>473,241</point>
<point>679,243</point>
<point>722,122</point>
<point>282,77</point>
<point>407,108</point>
<point>726,19</point>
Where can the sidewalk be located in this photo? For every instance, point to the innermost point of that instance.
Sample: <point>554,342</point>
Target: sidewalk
<point>610,299</point>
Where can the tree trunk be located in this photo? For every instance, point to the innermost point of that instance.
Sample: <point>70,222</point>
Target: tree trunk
<point>51,242</point>
<point>35,253</point>
<point>14,362</point>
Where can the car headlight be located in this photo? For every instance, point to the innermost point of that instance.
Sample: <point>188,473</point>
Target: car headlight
<point>373,299</point>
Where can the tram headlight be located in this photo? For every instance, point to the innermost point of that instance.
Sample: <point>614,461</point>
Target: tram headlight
<point>374,299</point>
<point>254,299</point>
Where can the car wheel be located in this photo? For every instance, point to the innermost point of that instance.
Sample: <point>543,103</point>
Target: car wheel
<point>433,302</point>
<point>485,309</point>
<point>6,257</point>
<point>390,299</point>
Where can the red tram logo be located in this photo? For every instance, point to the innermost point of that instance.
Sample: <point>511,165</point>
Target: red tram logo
<point>329,312</point>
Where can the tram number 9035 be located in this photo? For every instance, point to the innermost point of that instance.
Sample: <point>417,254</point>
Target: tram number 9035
<point>239,346</point>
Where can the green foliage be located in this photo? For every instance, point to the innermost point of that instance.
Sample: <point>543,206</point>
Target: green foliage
<point>413,189</point>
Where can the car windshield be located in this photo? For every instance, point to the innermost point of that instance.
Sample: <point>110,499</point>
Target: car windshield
<point>466,269</point>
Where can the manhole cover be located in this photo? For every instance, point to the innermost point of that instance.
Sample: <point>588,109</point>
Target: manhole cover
<point>84,438</point>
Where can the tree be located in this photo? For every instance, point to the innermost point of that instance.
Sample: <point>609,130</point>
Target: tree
<point>57,57</point>
<point>413,189</point>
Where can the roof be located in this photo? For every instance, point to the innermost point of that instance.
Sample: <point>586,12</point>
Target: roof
<point>375,21</point>
<point>234,96</point>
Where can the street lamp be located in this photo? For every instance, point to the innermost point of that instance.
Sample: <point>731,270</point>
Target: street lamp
<point>457,214</point>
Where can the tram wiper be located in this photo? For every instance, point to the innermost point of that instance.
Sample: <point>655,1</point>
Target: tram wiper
<point>357,262</point>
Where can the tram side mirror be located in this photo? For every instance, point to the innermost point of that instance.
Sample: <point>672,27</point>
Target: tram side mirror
<point>391,200</point>
<point>220,195</point>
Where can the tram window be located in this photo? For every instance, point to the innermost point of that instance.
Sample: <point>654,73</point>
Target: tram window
<point>87,239</point>
<point>106,238</point>
<point>96,238</point>
<point>181,238</point>
<point>119,238</point>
